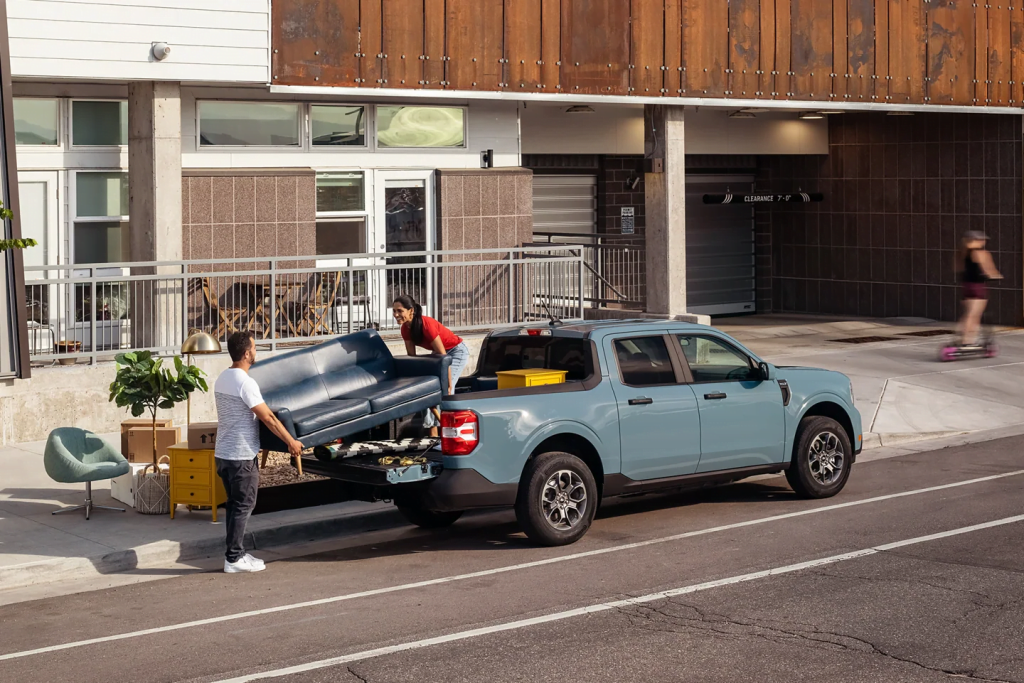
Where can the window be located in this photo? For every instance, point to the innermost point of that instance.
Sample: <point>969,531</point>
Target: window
<point>340,236</point>
<point>97,123</point>
<point>713,361</point>
<point>550,353</point>
<point>248,124</point>
<point>337,192</point>
<point>420,127</point>
<point>36,122</point>
<point>337,126</point>
<point>341,218</point>
<point>101,217</point>
<point>644,361</point>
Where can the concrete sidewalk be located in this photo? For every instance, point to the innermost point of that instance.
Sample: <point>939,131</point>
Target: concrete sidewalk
<point>903,394</point>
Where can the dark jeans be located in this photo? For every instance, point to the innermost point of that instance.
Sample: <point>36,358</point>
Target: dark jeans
<point>241,480</point>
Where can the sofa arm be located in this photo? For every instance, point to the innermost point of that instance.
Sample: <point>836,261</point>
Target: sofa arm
<point>269,440</point>
<point>285,416</point>
<point>424,366</point>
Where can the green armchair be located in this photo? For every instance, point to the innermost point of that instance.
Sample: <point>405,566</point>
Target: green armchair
<point>75,455</point>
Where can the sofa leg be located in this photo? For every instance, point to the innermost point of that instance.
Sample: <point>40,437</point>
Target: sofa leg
<point>263,461</point>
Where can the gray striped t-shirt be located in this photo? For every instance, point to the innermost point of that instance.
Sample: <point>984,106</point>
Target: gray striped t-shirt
<point>238,428</point>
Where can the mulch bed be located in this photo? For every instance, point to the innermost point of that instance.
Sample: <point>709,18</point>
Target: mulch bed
<point>279,471</point>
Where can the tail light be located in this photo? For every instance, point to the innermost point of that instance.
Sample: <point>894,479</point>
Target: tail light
<point>460,432</point>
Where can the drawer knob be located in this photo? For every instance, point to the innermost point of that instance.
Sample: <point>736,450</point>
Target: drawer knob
<point>191,476</point>
<point>191,494</point>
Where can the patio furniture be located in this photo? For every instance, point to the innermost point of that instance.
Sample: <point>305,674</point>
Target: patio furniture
<point>74,456</point>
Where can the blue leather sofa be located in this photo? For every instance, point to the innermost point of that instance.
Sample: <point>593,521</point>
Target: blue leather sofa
<point>345,386</point>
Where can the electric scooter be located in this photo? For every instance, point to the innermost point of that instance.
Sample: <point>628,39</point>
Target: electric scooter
<point>984,348</point>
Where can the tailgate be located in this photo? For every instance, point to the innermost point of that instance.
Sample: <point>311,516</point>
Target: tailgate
<point>377,463</point>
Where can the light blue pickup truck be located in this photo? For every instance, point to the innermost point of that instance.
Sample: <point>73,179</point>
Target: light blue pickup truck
<point>646,406</point>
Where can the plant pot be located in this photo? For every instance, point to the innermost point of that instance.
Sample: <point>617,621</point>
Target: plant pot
<point>67,347</point>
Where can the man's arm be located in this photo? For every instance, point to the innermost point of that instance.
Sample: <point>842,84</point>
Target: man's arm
<point>263,412</point>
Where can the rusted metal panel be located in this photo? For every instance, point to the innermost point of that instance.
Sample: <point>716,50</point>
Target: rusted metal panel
<point>882,77</point>
<point>840,47</point>
<point>783,49</point>
<point>951,52</point>
<point>551,46</point>
<point>980,53</point>
<point>371,45</point>
<point>706,47</point>
<point>999,54</point>
<point>1017,59</point>
<point>315,42</point>
<point>595,47</point>
<point>744,47</point>
<point>768,59</point>
<point>860,52</point>
<point>403,43</point>
<point>475,38</point>
<point>812,48</point>
<point>907,41</point>
<point>523,45</point>
<point>673,48</point>
<point>434,40</point>
<point>647,47</point>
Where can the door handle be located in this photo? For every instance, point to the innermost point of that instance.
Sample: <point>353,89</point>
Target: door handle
<point>714,397</point>
<point>641,401</point>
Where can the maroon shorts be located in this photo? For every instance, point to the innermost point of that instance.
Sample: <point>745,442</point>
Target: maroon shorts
<point>975,290</point>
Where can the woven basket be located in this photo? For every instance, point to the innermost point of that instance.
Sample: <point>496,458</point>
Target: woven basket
<point>153,490</point>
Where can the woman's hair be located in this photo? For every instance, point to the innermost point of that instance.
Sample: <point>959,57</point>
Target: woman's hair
<point>416,327</point>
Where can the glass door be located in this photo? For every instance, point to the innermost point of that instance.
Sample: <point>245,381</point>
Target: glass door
<point>403,228</point>
<point>37,191</point>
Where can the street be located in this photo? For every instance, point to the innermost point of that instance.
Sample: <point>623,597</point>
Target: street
<point>915,572</point>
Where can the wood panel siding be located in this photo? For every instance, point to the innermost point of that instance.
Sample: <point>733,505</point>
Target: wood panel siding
<point>897,52</point>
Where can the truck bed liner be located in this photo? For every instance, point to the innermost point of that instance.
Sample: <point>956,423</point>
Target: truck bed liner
<point>360,462</point>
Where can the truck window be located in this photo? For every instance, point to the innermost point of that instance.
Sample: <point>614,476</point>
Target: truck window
<point>548,353</point>
<point>713,361</point>
<point>644,361</point>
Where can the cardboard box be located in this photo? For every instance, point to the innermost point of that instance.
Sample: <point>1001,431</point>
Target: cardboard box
<point>123,488</point>
<point>202,436</point>
<point>134,422</point>
<point>140,442</point>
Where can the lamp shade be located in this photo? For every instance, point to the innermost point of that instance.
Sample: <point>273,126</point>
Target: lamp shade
<point>200,342</point>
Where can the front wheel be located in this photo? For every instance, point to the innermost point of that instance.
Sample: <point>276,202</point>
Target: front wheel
<point>428,519</point>
<point>557,499</point>
<point>821,459</point>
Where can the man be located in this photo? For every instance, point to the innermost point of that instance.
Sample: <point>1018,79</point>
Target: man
<point>239,406</point>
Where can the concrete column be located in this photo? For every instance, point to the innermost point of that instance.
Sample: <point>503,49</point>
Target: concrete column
<point>154,208</point>
<point>665,205</point>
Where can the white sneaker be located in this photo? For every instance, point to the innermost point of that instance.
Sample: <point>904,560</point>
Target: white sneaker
<point>245,564</point>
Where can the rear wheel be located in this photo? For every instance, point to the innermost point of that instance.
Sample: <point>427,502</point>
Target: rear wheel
<point>428,519</point>
<point>821,458</point>
<point>557,499</point>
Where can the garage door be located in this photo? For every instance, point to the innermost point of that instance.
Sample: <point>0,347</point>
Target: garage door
<point>565,204</point>
<point>719,248</point>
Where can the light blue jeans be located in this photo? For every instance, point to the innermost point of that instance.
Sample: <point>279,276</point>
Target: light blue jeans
<point>460,356</point>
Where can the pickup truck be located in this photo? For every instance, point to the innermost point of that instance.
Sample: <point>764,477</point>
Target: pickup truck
<point>646,406</point>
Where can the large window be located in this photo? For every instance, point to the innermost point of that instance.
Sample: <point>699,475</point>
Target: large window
<point>337,126</point>
<point>97,123</point>
<point>713,361</point>
<point>249,124</point>
<point>340,213</point>
<point>36,122</point>
<point>101,217</point>
<point>420,126</point>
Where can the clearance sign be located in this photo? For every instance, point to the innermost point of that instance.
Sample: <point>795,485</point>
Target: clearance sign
<point>793,198</point>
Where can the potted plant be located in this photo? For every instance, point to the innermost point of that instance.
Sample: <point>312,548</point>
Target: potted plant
<point>143,384</point>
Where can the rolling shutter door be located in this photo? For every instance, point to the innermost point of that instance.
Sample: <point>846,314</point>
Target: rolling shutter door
<point>565,204</point>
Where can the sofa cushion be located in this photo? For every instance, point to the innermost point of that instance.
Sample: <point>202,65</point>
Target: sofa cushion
<point>385,395</point>
<point>289,380</point>
<point>316,417</point>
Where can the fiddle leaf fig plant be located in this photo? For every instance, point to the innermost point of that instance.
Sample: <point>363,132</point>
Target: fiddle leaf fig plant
<point>143,384</point>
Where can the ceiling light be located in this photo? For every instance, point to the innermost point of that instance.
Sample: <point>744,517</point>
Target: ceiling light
<point>811,116</point>
<point>900,113</point>
<point>742,115</point>
<point>755,110</point>
<point>580,109</point>
<point>830,112</point>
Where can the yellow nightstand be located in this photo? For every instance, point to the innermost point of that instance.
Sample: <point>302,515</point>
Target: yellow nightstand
<point>516,379</point>
<point>194,479</point>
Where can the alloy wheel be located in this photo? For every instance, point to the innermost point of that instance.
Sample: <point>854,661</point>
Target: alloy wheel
<point>826,458</point>
<point>564,500</point>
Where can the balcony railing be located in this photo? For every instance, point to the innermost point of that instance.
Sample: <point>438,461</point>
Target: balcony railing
<point>615,267</point>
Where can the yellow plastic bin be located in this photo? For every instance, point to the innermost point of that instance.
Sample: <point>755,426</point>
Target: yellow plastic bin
<point>516,379</point>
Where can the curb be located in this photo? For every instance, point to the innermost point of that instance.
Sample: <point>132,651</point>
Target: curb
<point>160,554</point>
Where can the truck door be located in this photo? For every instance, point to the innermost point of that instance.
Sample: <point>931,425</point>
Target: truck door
<point>659,424</point>
<point>741,416</point>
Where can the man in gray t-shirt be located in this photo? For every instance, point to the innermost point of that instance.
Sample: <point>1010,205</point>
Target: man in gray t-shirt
<point>240,408</point>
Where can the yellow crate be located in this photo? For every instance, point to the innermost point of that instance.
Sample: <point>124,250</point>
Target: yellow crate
<point>516,379</point>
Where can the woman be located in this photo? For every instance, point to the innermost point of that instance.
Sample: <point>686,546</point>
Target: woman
<point>420,331</point>
<point>976,268</point>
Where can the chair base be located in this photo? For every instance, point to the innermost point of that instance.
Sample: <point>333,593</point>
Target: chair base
<point>88,506</point>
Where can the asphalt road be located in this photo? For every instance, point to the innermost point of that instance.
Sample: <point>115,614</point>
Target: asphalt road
<point>914,573</point>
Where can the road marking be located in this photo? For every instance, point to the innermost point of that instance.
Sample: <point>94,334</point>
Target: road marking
<point>606,606</point>
<point>498,570</point>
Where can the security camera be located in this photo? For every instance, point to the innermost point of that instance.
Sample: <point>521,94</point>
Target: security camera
<point>161,51</point>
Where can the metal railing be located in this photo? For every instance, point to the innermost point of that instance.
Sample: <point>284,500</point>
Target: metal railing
<point>615,265</point>
<point>96,311</point>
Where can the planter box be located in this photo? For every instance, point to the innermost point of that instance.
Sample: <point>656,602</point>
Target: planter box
<point>111,335</point>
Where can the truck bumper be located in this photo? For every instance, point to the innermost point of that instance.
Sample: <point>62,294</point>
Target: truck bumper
<point>466,490</point>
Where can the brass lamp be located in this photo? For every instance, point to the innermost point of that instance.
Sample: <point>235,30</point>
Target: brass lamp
<point>198,342</point>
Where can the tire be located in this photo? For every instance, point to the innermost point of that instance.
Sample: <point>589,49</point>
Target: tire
<point>820,441</point>
<point>557,499</point>
<point>428,519</point>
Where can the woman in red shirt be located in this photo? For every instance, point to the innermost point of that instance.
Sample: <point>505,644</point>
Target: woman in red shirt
<point>426,333</point>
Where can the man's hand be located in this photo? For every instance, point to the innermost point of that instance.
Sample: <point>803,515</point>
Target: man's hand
<point>295,448</point>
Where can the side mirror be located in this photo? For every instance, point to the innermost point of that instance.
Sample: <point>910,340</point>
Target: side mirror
<point>767,371</point>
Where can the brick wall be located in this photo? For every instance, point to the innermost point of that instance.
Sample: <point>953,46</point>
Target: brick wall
<point>613,192</point>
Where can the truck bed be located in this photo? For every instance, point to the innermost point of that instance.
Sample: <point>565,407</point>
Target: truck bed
<point>360,462</point>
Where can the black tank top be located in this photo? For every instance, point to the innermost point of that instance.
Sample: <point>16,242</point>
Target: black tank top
<point>972,271</point>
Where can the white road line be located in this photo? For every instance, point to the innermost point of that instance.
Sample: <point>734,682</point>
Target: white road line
<point>605,606</point>
<point>497,570</point>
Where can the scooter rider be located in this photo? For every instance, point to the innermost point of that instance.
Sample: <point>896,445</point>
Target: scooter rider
<point>976,269</point>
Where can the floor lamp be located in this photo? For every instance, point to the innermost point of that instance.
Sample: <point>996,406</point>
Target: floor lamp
<point>198,343</point>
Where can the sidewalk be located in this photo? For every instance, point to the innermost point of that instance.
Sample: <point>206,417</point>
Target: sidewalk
<point>903,394</point>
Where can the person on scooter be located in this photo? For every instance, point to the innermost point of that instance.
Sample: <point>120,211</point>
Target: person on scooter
<point>976,269</point>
